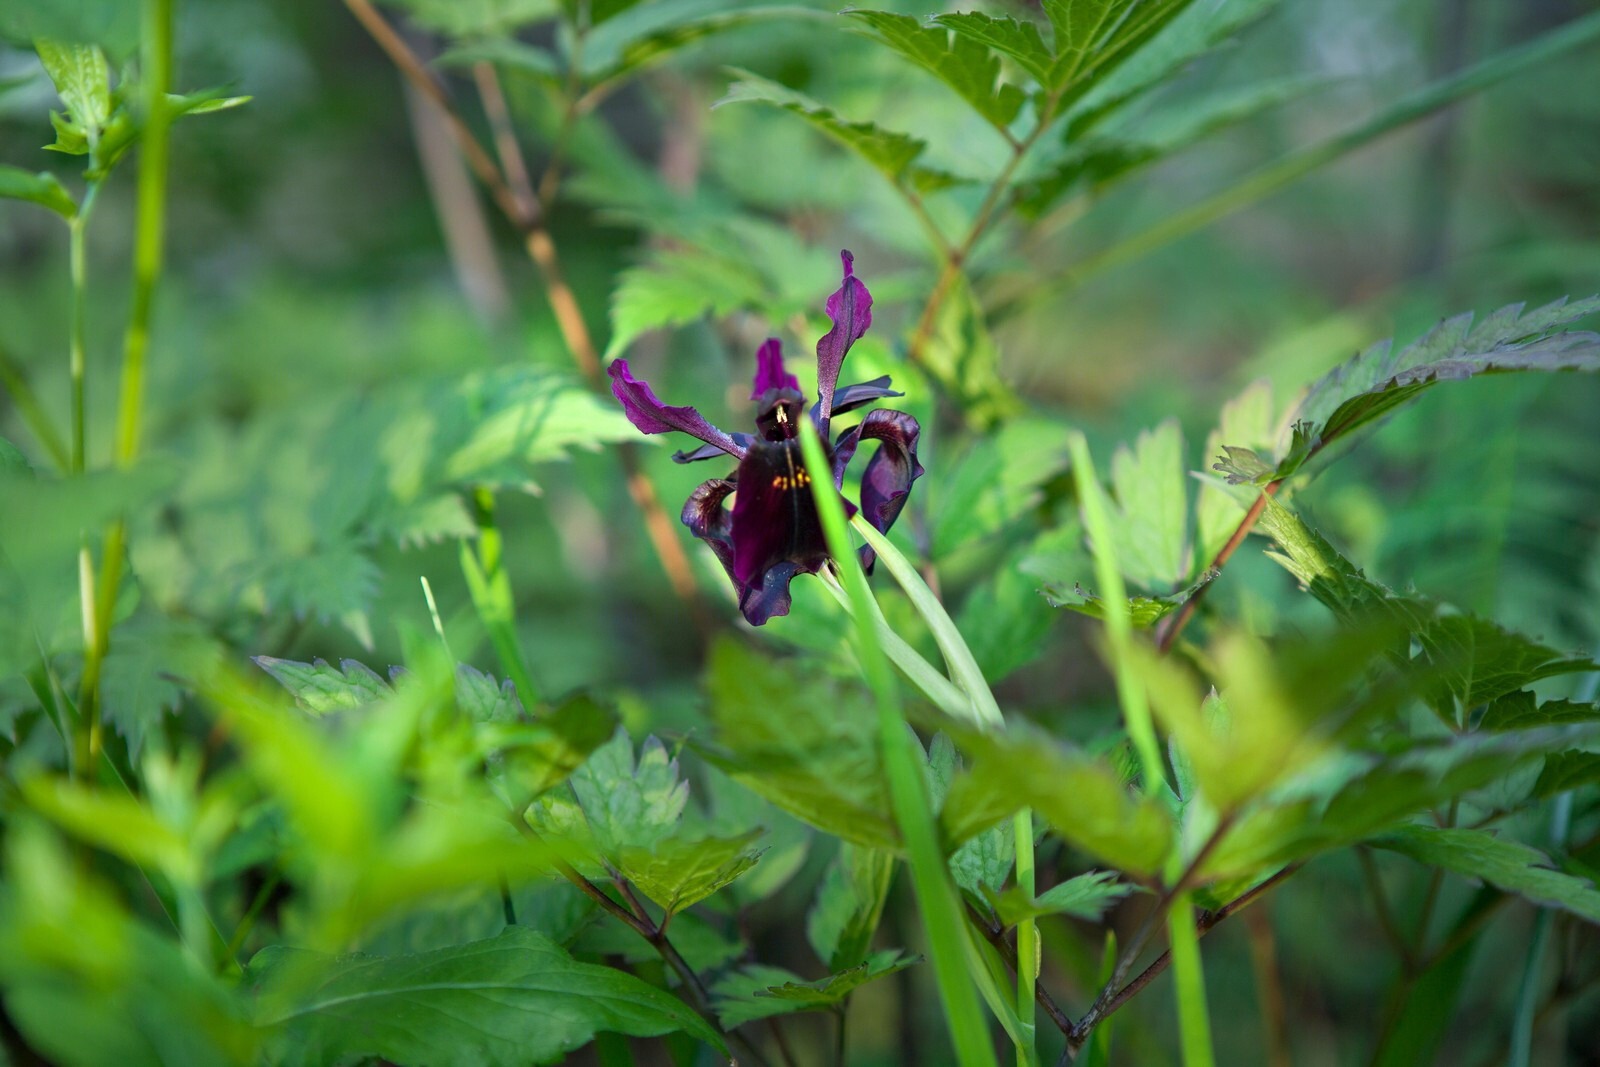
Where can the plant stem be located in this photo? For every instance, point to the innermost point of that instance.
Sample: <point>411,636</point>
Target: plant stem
<point>76,345</point>
<point>996,936</point>
<point>155,52</point>
<point>1194,1024</point>
<point>946,931</point>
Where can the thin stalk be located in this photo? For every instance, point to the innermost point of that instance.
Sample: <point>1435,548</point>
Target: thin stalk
<point>76,345</point>
<point>942,922</point>
<point>1194,1024</point>
<point>996,936</point>
<point>155,55</point>
<point>1028,959</point>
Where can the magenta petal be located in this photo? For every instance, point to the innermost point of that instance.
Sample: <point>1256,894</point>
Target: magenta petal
<point>646,411</point>
<point>769,370</point>
<point>851,311</point>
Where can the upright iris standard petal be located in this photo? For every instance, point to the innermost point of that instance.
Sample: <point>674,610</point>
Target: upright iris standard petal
<point>769,370</point>
<point>886,483</point>
<point>646,411</point>
<point>850,308</point>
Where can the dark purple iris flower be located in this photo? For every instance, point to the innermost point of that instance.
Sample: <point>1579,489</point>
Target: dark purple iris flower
<point>772,533</point>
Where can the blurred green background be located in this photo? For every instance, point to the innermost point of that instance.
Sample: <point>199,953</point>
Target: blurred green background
<point>335,320</point>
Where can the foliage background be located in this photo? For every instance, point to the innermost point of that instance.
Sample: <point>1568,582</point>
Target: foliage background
<point>323,356</point>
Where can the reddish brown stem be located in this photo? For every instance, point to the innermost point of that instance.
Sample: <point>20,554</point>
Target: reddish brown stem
<point>1170,632</point>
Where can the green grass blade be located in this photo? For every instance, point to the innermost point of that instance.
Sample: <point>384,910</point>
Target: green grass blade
<point>1194,1024</point>
<point>963,667</point>
<point>941,911</point>
<point>1119,626</point>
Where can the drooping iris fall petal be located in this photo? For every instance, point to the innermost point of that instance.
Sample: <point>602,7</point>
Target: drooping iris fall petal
<point>886,482</point>
<point>646,411</point>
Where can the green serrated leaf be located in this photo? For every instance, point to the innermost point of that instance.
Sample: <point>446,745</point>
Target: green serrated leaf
<point>1093,38</point>
<point>1352,797</point>
<point>1522,709</point>
<point>479,18</point>
<point>890,152</point>
<point>615,804</point>
<point>1468,660</point>
<point>675,288</point>
<point>849,905</point>
<point>758,992</point>
<point>649,33</point>
<point>1376,382</point>
<point>1143,611</point>
<point>961,61</point>
<point>42,188</point>
<point>533,755</point>
<point>83,81</point>
<point>1087,803</point>
<point>1151,512</point>
<point>1018,39</point>
<point>477,999</point>
<point>321,687</point>
<point>1509,865</point>
<point>1250,421</point>
<point>805,742</point>
<point>1085,897</point>
<point>679,873</point>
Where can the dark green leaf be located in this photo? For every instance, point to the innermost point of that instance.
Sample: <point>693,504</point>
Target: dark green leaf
<point>1380,379</point>
<point>849,905</point>
<point>758,992</point>
<point>1509,865</point>
<point>960,61</point>
<point>1522,709</point>
<point>42,188</point>
<point>479,18</point>
<point>112,24</point>
<point>510,1000</point>
<point>678,287</point>
<point>804,741</point>
<point>1085,897</point>
<point>1470,660</point>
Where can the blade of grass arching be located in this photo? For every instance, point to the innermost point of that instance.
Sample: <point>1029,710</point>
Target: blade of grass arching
<point>1299,163</point>
<point>918,671</point>
<point>984,709</point>
<point>957,656</point>
<point>490,588</point>
<point>1119,626</point>
<point>941,911</point>
<point>33,412</point>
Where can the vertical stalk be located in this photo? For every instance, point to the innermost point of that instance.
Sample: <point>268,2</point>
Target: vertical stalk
<point>1119,627</point>
<point>1194,1024</point>
<point>155,55</point>
<point>490,587</point>
<point>76,345</point>
<point>942,919</point>
<point>1027,940</point>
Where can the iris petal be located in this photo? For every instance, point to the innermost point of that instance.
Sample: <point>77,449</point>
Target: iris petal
<point>646,411</point>
<point>850,308</point>
<point>769,370</point>
<point>775,514</point>
<point>886,482</point>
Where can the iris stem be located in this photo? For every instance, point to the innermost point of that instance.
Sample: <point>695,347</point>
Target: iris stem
<point>948,937</point>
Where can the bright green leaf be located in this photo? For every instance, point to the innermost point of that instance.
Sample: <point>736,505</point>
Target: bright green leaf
<point>614,803</point>
<point>758,992</point>
<point>321,687</point>
<point>1085,897</point>
<point>678,873</point>
<point>849,905</point>
<point>960,61</point>
<point>42,188</point>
